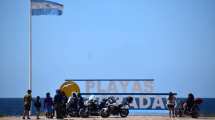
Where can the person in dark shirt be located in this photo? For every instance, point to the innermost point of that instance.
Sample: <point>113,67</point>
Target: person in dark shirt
<point>65,99</point>
<point>37,105</point>
<point>27,104</point>
<point>58,104</point>
<point>48,106</point>
<point>189,102</point>
<point>80,101</point>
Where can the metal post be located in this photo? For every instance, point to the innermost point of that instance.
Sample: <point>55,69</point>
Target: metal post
<point>30,50</point>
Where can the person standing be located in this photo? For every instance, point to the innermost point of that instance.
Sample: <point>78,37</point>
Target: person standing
<point>48,106</point>
<point>65,99</point>
<point>171,104</point>
<point>27,104</point>
<point>37,105</point>
<point>80,101</point>
<point>58,104</point>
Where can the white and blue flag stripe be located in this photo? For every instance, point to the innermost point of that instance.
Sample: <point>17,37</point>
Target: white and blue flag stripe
<point>44,7</point>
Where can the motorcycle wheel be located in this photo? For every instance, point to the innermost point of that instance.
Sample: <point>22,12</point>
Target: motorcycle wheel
<point>83,113</point>
<point>73,114</point>
<point>124,112</point>
<point>105,113</point>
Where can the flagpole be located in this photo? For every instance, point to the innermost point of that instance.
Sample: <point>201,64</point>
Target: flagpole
<point>59,12</point>
<point>30,50</point>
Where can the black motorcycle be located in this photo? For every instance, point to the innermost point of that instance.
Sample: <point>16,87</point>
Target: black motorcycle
<point>114,108</point>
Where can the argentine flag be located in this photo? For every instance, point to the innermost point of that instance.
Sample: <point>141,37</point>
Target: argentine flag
<point>44,7</point>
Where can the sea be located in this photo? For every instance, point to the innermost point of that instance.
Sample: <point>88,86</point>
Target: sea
<point>14,107</point>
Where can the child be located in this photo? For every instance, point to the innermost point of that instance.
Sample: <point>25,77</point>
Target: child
<point>171,104</point>
<point>48,106</point>
<point>37,105</point>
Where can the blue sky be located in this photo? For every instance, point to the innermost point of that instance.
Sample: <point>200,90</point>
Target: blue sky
<point>171,41</point>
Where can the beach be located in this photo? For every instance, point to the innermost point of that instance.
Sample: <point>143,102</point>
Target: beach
<point>114,118</point>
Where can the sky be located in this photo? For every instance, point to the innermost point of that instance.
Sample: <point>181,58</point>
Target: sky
<point>170,41</point>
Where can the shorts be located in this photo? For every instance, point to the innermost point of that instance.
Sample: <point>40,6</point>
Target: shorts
<point>49,110</point>
<point>171,106</point>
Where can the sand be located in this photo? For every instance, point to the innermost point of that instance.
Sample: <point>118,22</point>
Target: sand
<point>116,118</point>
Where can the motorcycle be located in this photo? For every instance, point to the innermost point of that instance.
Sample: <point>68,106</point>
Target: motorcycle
<point>114,108</point>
